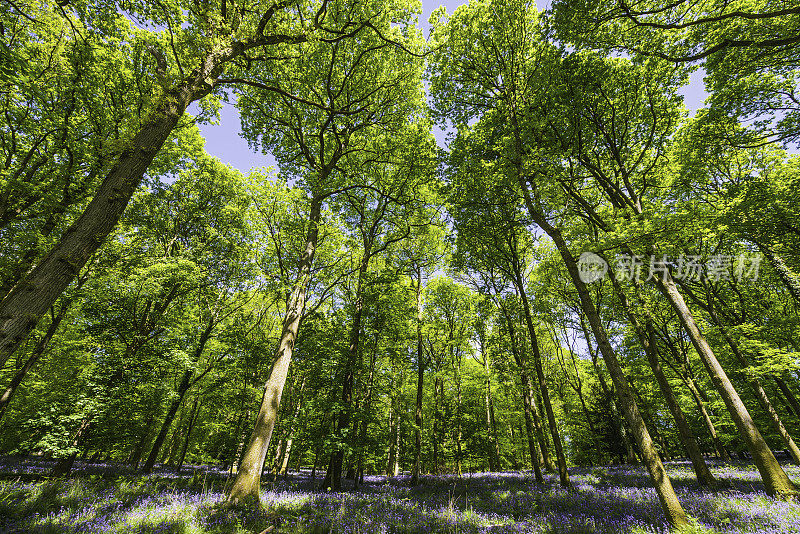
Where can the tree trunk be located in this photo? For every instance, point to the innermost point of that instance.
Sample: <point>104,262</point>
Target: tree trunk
<point>514,461</point>
<point>533,428</point>
<point>762,397</point>
<point>38,350</point>
<point>248,480</point>
<point>362,434</point>
<point>420,378</point>
<point>64,466</point>
<point>647,339</point>
<point>192,420</point>
<point>790,398</point>
<point>39,289</point>
<point>722,452</point>
<point>457,378</point>
<point>533,425</point>
<point>333,478</point>
<point>491,423</point>
<point>666,494</point>
<point>283,470</point>
<point>169,455</point>
<point>789,279</point>
<point>393,433</point>
<point>165,426</point>
<point>436,417</point>
<point>563,474</point>
<point>775,480</point>
<point>136,454</point>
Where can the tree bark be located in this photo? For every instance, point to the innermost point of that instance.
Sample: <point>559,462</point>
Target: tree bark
<point>722,452</point>
<point>183,387</point>
<point>491,422</point>
<point>34,294</point>
<point>193,415</point>
<point>420,378</point>
<point>248,479</point>
<point>666,494</point>
<point>647,339</point>
<point>761,395</point>
<point>775,480</point>
<point>563,474</point>
<point>790,398</point>
<point>533,425</point>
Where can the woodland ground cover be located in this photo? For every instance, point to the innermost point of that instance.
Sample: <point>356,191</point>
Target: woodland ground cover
<point>606,499</point>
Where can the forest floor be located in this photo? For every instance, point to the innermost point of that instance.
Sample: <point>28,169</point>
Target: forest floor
<point>102,498</point>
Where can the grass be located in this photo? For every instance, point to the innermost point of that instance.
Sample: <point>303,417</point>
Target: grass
<point>107,499</point>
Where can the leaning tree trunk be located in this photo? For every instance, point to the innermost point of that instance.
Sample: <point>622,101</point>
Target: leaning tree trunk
<point>39,349</point>
<point>666,494</point>
<point>647,339</point>
<point>704,476</point>
<point>789,279</point>
<point>563,474</point>
<point>187,438</point>
<point>38,290</point>
<point>755,383</point>
<point>64,466</point>
<point>248,479</point>
<point>775,480</point>
<point>183,387</point>
<point>688,381</point>
<point>491,422</point>
<point>790,397</point>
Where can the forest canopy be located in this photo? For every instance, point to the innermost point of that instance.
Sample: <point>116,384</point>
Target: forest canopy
<point>584,273</point>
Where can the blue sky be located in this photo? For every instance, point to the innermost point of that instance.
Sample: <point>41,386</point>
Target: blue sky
<point>225,142</point>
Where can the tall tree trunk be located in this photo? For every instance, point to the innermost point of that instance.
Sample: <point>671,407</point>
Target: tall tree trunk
<point>136,454</point>
<point>704,476</point>
<point>183,387</point>
<point>194,414</point>
<point>248,479</point>
<point>666,494</point>
<point>563,474</point>
<point>458,436</point>
<point>64,466</point>
<point>616,418</point>
<point>436,418</point>
<point>789,279</point>
<point>167,423</point>
<point>533,425</point>
<point>420,378</point>
<point>790,398</point>
<point>169,454</point>
<point>722,452</point>
<point>491,422</point>
<point>775,480</point>
<point>283,470</point>
<point>333,477</point>
<point>647,339</point>
<point>37,291</point>
<point>362,434</point>
<point>761,395</point>
<point>514,461</point>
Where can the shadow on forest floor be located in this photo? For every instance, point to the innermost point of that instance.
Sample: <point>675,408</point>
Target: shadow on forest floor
<point>103,498</point>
